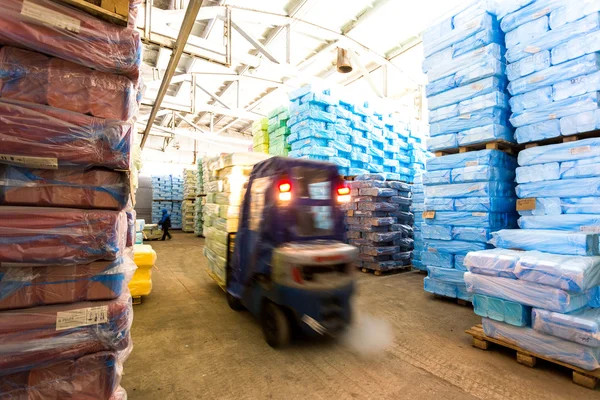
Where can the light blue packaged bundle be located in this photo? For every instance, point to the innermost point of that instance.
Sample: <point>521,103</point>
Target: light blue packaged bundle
<point>473,219</point>
<point>504,7</point>
<point>481,173</point>
<point>485,204</point>
<point>440,288</point>
<point>566,243</point>
<point>581,326</point>
<point>443,113</point>
<point>502,310</point>
<point>478,189</point>
<point>527,32</point>
<point>442,142</point>
<point>480,23</point>
<point>533,99</point>
<point>493,158</point>
<point>438,177</point>
<point>564,222</point>
<point>577,187</point>
<point>484,86</point>
<point>356,156</point>
<point>494,99</point>
<point>576,274</point>
<point>570,151</point>
<point>317,151</point>
<point>553,38</point>
<point>459,263</point>
<point>439,204</point>
<point>539,131</point>
<point>442,56</point>
<point>478,40</point>
<point>470,234</point>
<point>580,205</point>
<point>526,293</point>
<point>527,66</point>
<point>584,65</point>
<point>438,31</point>
<point>573,11</point>
<point>339,146</point>
<point>484,134</point>
<point>340,162</point>
<point>476,119</point>
<point>586,168</point>
<point>528,11</point>
<point>579,123</point>
<point>460,66</point>
<point>576,86</point>
<point>558,109</point>
<point>418,207</point>
<point>574,48</point>
<point>453,246</point>
<point>544,206</point>
<point>446,275</point>
<point>437,259</point>
<point>552,347</point>
<point>438,232</point>
<point>472,11</point>
<point>538,173</point>
<point>312,114</point>
<point>493,262</point>
<point>308,133</point>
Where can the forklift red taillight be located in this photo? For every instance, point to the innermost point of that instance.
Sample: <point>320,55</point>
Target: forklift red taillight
<point>297,275</point>
<point>343,191</point>
<point>285,191</point>
<point>343,194</point>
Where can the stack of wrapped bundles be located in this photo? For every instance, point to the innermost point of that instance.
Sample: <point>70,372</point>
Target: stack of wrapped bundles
<point>417,208</point>
<point>188,211</point>
<point>466,69</point>
<point>189,198</point>
<point>177,196</point>
<point>467,197</point>
<point>225,192</point>
<point>190,183</point>
<point>380,223</point>
<point>139,231</point>
<point>278,132</point>
<point>260,136</point>
<point>553,68</point>
<point>200,199</point>
<point>69,95</point>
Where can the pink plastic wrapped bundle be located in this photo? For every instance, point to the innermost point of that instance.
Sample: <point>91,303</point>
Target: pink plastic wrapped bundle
<point>91,377</point>
<point>23,75</point>
<point>112,96</point>
<point>68,85</point>
<point>40,335</point>
<point>93,188</point>
<point>60,236</point>
<point>31,286</point>
<point>36,135</point>
<point>67,33</point>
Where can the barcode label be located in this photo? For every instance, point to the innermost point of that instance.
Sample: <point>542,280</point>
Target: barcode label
<point>28,161</point>
<point>81,317</point>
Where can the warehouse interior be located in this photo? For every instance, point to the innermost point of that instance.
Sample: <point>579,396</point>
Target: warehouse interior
<point>358,199</point>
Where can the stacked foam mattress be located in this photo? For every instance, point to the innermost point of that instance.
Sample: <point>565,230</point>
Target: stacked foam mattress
<point>278,132</point>
<point>260,136</point>
<point>200,200</point>
<point>466,69</point>
<point>467,197</point>
<point>380,222</point>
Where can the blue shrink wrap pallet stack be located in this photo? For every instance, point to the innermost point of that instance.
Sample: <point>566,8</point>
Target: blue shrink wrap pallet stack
<point>167,193</point>
<point>466,69</point>
<point>417,208</point>
<point>380,223</point>
<point>553,55</point>
<point>467,197</point>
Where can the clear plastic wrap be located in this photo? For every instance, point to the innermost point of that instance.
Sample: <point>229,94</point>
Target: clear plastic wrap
<point>480,39</point>
<point>485,204</point>
<point>585,168</point>
<point>494,99</point>
<point>470,234</point>
<point>60,236</point>
<point>529,100</point>
<point>439,177</point>
<point>527,66</point>
<point>580,205</point>
<point>570,151</point>
<point>473,219</point>
<point>502,310</point>
<point>527,32</point>
<point>552,347</point>
<point>467,67</point>
<point>471,189</point>
<point>446,289</point>
<point>41,136</point>
<point>565,222</point>
<point>24,287</point>
<point>520,12</point>
<point>577,187</point>
<point>582,326</point>
<point>40,335</point>
<point>553,38</point>
<point>479,88</point>
<point>446,275</point>
<point>526,293</point>
<point>439,232</point>
<point>453,246</point>
<point>579,123</point>
<point>493,158</point>
<point>493,262</point>
<point>504,7</point>
<point>567,243</point>
<point>483,134</point>
<point>482,173</point>
<point>430,257</point>
<point>480,23</point>
<point>574,48</point>
<point>577,86</point>
<point>442,142</point>
<point>72,35</point>
<point>33,77</point>
<point>538,173</point>
<point>488,116</point>
<point>539,131</point>
<point>444,113</point>
<point>439,204</point>
<point>92,188</point>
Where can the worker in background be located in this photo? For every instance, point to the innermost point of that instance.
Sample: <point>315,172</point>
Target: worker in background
<point>165,223</point>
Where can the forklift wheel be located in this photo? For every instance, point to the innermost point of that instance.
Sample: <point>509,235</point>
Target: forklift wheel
<point>234,303</point>
<point>275,326</point>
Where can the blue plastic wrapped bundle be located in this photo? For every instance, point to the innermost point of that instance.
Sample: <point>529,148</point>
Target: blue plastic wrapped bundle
<point>577,86</point>
<point>565,222</point>
<point>442,142</point>
<point>439,232</point>
<point>439,204</point>
<point>481,173</point>
<point>538,173</point>
<point>493,262</point>
<point>436,259</point>
<point>453,246</point>
<point>528,65</point>
<point>539,131</point>
<point>544,206</point>
<point>532,99</point>
<point>489,116</point>
<point>580,205</point>
<point>579,123</point>
<point>575,48</point>
<point>438,177</point>
<point>502,310</point>
<point>588,167</point>
<point>494,99</point>
<point>578,187</point>
<point>527,32</point>
<point>437,58</point>
<point>473,219</point>
<point>526,293</point>
<point>478,189</point>
<point>483,22</point>
<point>471,234</point>
<point>493,158</point>
<point>479,88</point>
<point>485,204</point>
<point>504,7</point>
<point>446,275</point>
<point>444,113</point>
<point>439,287</point>
<point>568,243</point>
<point>582,326</point>
<point>570,151</point>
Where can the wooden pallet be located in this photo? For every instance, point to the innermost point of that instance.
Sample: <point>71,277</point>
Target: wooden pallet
<point>391,271</point>
<point>502,145</point>
<point>136,300</point>
<point>458,301</point>
<point>564,139</point>
<point>588,379</point>
<point>113,11</point>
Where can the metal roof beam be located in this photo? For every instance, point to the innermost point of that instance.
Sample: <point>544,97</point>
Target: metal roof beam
<point>254,42</point>
<point>214,96</point>
<point>365,73</point>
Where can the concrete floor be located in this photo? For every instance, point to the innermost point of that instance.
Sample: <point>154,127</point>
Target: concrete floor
<point>188,344</point>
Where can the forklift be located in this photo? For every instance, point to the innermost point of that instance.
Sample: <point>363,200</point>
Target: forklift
<point>288,264</point>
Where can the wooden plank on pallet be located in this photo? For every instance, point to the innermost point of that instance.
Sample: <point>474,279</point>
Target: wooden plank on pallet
<point>582,377</point>
<point>501,145</point>
<point>114,11</point>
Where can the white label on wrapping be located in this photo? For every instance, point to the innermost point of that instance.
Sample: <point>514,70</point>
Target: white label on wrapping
<point>28,161</point>
<point>50,17</point>
<point>540,13</point>
<point>537,79</point>
<point>465,116</point>
<point>532,49</point>
<point>579,150</point>
<point>479,214</point>
<point>477,87</point>
<point>472,163</point>
<point>81,317</point>
<point>552,116</point>
<point>590,229</point>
